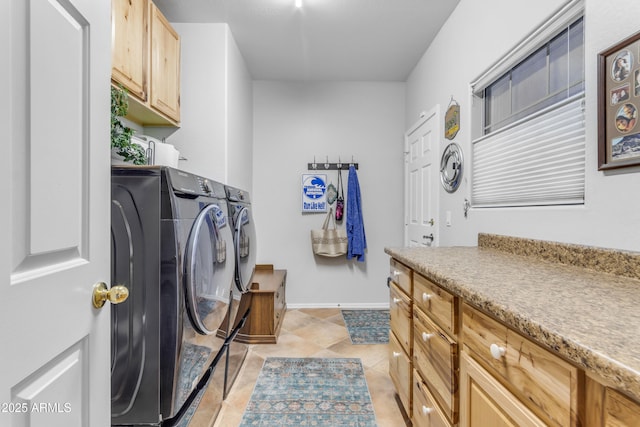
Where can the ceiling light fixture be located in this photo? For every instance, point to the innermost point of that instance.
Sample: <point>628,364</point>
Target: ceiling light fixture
<point>298,4</point>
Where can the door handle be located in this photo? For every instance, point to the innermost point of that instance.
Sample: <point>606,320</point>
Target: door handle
<point>115,295</point>
<point>429,237</point>
<point>431,222</point>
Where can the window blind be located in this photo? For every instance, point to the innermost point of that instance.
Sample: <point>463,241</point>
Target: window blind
<point>536,161</point>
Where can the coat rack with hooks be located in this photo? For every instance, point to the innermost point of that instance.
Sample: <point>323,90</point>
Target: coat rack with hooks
<point>326,166</point>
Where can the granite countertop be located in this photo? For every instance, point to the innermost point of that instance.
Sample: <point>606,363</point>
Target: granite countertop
<point>564,297</point>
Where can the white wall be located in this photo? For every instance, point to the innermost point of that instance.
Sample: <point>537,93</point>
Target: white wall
<point>239,119</point>
<point>216,129</point>
<point>294,122</point>
<point>476,36</point>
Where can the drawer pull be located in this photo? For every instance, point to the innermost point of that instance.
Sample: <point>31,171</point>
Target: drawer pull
<point>426,411</point>
<point>497,352</point>
<point>396,273</point>
<point>396,300</point>
<point>396,354</point>
<point>425,297</point>
<point>426,336</point>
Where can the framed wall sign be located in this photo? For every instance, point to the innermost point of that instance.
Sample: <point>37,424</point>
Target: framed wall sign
<point>314,192</point>
<point>618,103</point>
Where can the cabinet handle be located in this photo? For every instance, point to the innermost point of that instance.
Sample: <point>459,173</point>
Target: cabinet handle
<point>396,273</point>
<point>426,336</point>
<point>396,300</point>
<point>396,354</point>
<point>497,351</point>
<point>425,297</point>
<point>426,411</point>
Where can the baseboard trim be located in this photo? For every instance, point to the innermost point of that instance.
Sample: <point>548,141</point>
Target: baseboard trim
<point>348,305</point>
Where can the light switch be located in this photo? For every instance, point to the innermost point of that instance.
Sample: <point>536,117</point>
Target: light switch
<point>448,220</point>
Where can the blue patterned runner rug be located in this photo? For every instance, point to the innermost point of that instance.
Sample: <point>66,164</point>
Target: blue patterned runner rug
<point>367,326</point>
<point>310,392</point>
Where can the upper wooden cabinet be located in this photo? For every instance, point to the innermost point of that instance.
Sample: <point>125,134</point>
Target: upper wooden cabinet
<point>165,66</point>
<point>145,56</point>
<point>129,53</point>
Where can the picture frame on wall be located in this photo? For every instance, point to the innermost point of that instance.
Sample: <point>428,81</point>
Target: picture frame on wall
<point>619,104</point>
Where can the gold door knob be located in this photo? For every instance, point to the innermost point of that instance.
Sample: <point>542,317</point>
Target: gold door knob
<point>115,295</point>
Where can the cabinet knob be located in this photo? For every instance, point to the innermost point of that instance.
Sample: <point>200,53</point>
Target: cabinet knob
<point>396,300</point>
<point>426,336</point>
<point>396,273</point>
<point>497,352</point>
<point>425,297</point>
<point>396,354</point>
<point>426,411</point>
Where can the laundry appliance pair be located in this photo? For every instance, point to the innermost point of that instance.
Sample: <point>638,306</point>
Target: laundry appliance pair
<point>173,247</point>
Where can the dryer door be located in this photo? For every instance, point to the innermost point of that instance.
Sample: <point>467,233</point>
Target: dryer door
<point>244,239</point>
<point>208,269</point>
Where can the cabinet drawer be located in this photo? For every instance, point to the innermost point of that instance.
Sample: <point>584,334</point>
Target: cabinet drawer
<point>401,275</point>
<point>547,383</point>
<point>425,410</point>
<point>400,317</point>
<point>400,372</point>
<point>435,358</point>
<point>439,304</point>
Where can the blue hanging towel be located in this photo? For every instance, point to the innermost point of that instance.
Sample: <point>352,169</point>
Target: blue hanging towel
<point>357,241</point>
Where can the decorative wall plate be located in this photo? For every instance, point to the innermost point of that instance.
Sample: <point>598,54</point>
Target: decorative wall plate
<point>451,167</point>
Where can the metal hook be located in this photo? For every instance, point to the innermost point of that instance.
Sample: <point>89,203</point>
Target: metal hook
<point>326,165</point>
<point>314,165</point>
<point>339,163</point>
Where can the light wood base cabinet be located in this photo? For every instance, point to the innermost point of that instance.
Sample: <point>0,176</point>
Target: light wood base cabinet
<point>488,374</point>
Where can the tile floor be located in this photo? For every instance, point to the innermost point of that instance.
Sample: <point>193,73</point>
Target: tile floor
<point>316,333</point>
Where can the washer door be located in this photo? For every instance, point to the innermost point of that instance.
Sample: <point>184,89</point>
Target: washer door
<point>244,239</point>
<point>208,267</point>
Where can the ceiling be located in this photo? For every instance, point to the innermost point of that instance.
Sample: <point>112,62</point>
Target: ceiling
<point>324,40</point>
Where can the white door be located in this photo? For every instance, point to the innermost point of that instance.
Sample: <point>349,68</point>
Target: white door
<point>54,222</point>
<point>421,180</point>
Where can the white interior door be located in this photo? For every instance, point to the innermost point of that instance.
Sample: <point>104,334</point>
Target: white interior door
<point>55,219</point>
<point>421,180</point>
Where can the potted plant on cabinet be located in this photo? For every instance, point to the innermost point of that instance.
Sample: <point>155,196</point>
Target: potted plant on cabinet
<point>121,144</point>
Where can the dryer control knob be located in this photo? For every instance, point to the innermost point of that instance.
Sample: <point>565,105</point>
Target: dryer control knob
<point>206,187</point>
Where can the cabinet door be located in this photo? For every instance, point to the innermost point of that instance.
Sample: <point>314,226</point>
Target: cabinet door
<point>165,66</point>
<point>400,372</point>
<point>485,402</point>
<point>129,47</point>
